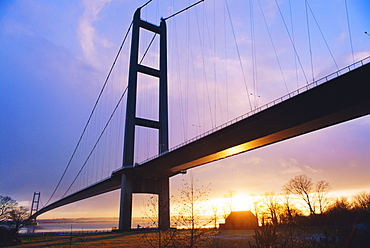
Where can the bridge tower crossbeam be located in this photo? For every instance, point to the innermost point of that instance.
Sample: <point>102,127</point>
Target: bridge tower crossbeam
<point>131,182</point>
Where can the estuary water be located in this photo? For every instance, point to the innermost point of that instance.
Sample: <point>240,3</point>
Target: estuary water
<point>93,225</point>
<point>78,225</point>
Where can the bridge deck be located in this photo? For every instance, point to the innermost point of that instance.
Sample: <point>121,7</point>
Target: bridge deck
<point>341,99</point>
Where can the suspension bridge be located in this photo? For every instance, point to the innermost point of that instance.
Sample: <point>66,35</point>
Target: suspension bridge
<point>333,99</point>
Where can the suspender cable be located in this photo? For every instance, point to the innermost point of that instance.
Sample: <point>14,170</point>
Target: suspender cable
<point>273,46</point>
<point>309,40</point>
<point>226,66</point>
<point>292,27</point>
<point>96,143</point>
<point>239,56</point>
<point>294,48</point>
<point>253,55</point>
<point>205,78</point>
<point>322,34</point>
<point>349,31</point>
<point>91,114</point>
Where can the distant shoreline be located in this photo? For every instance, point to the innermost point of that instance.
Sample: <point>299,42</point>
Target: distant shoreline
<point>78,220</point>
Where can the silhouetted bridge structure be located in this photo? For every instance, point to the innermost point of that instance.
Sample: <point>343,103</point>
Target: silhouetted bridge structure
<point>339,97</point>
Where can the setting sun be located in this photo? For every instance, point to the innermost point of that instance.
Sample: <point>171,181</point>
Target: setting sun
<point>238,202</point>
<point>242,202</point>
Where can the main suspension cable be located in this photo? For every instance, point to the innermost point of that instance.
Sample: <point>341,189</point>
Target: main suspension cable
<point>145,4</point>
<point>91,114</point>
<point>147,49</point>
<point>96,143</point>
<point>183,10</point>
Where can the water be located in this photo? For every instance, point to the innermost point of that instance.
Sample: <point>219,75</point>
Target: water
<point>90,225</point>
<point>77,225</point>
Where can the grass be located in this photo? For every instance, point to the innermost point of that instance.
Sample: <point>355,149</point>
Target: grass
<point>225,238</point>
<point>84,240</point>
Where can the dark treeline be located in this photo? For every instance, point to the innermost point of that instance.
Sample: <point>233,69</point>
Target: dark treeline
<point>305,203</point>
<point>305,216</point>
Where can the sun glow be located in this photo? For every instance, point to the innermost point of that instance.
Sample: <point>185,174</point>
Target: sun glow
<point>242,202</point>
<point>238,202</point>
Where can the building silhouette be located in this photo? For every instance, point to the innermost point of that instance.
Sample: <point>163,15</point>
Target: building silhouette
<point>240,220</point>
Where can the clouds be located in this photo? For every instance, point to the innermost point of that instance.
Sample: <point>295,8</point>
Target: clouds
<point>290,166</point>
<point>87,34</point>
<point>293,167</point>
<point>41,81</point>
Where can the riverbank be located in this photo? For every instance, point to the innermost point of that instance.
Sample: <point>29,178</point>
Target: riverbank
<point>130,239</point>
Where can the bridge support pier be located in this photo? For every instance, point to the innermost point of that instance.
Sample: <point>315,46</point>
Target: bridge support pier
<point>126,202</point>
<point>164,204</point>
<point>131,185</point>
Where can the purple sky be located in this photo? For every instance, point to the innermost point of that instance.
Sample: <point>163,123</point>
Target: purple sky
<point>54,58</point>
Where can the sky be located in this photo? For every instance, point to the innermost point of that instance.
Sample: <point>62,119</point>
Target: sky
<point>224,57</point>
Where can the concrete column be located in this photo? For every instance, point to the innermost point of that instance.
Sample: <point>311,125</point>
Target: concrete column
<point>164,192</point>
<point>164,204</point>
<point>126,202</point>
<point>129,138</point>
<point>163,90</point>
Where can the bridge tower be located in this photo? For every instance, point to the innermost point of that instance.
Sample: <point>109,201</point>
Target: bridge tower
<point>35,205</point>
<point>130,182</point>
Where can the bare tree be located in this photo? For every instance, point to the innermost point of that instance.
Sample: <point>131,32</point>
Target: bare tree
<point>14,218</point>
<point>191,208</point>
<point>151,212</point>
<point>340,204</point>
<point>215,215</point>
<point>157,238</point>
<point>302,186</point>
<point>272,206</point>
<point>289,211</point>
<point>258,211</point>
<point>322,190</point>
<point>6,205</point>
<point>18,217</point>
<point>362,201</point>
<point>313,195</point>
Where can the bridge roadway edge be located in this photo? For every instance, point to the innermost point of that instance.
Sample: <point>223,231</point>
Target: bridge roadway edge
<point>341,99</point>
